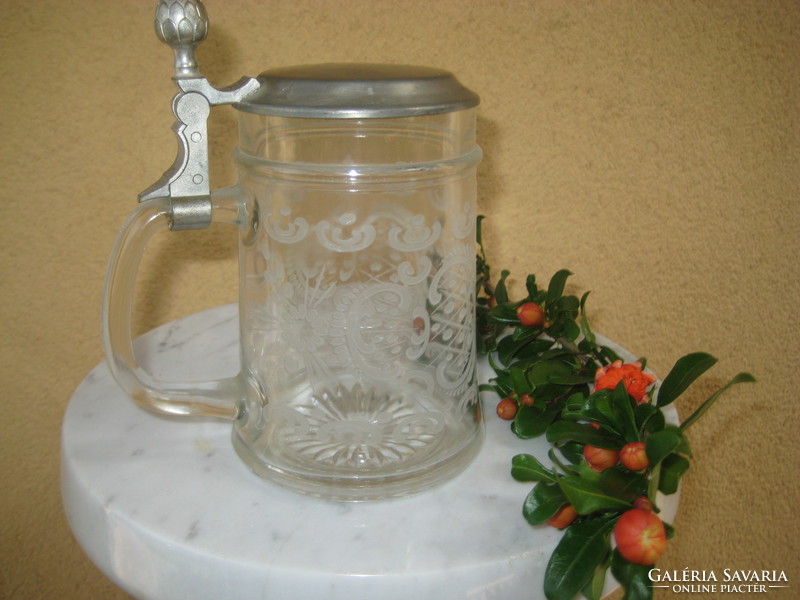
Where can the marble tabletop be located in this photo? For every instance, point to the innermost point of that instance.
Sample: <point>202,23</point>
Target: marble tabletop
<point>167,510</point>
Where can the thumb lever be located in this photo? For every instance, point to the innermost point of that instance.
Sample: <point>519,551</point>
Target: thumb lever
<point>182,24</point>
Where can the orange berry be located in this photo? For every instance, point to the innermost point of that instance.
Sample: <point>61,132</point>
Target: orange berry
<point>600,459</point>
<point>530,314</point>
<point>634,456</point>
<point>634,379</point>
<point>507,408</point>
<point>640,536</point>
<point>563,517</point>
<point>526,399</point>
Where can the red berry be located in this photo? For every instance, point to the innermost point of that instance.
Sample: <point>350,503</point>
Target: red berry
<point>526,399</point>
<point>507,408</point>
<point>644,503</point>
<point>640,536</point>
<point>634,456</point>
<point>530,314</point>
<point>563,517</point>
<point>418,325</point>
<point>600,459</point>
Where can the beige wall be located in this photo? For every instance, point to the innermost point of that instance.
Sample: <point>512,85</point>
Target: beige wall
<point>650,147</point>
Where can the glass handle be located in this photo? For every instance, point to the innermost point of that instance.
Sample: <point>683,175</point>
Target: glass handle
<point>210,399</point>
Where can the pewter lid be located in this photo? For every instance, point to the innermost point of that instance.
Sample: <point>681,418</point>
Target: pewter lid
<point>357,91</point>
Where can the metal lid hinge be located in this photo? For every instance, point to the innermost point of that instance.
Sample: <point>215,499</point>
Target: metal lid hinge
<point>183,24</point>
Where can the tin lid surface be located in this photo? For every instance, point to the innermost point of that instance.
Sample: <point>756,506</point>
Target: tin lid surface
<point>357,90</point>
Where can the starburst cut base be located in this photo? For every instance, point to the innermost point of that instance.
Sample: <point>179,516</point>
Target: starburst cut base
<point>368,443</point>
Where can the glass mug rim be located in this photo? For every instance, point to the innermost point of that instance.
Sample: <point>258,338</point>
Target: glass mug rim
<point>402,171</point>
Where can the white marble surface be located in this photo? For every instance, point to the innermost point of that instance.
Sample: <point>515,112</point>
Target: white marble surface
<point>167,510</point>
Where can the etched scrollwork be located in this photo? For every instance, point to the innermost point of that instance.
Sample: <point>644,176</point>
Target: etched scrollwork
<point>284,230</point>
<point>383,322</point>
<point>452,296</point>
<point>464,224</point>
<point>408,275</point>
<point>414,236</point>
<point>344,238</point>
<point>457,270</point>
<point>420,333</point>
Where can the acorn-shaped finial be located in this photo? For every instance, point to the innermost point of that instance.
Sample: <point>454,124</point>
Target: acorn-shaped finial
<point>182,24</point>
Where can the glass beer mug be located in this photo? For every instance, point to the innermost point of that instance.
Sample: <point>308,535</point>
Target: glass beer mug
<point>356,207</point>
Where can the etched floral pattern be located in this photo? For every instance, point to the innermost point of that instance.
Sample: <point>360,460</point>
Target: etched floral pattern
<point>385,299</point>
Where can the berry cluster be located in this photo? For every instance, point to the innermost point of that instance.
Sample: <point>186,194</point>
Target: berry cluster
<point>613,452</point>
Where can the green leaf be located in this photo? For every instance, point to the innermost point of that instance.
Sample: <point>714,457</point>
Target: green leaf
<point>570,379</point>
<point>740,378</point>
<point>586,472</point>
<point>567,329</point>
<point>669,530</point>
<point>530,285</point>
<point>586,330</point>
<point>632,577</point>
<point>606,355</point>
<point>594,589</point>
<point>622,405</point>
<point>540,373</point>
<point>587,497</point>
<point>503,314</point>
<point>524,334</point>
<point>583,547</point>
<point>533,351</point>
<point>479,221</point>
<point>568,303</point>
<point>661,444</point>
<point>573,407</point>
<point>500,290</point>
<point>572,451</point>
<point>682,375</point>
<point>573,468</point>
<point>599,407</point>
<point>521,383</point>
<point>672,468</point>
<point>502,380</point>
<point>566,431</point>
<point>525,467</point>
<point>624,485</point>
<point>652,485</point>
<point>520,338</point>
<point>684,447</point>
<point>482,345</point>
<point>543,502</point>
<point>648,418</point>
<point>556,287</point>
<point>507,347</point>
<point>531,421</point>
